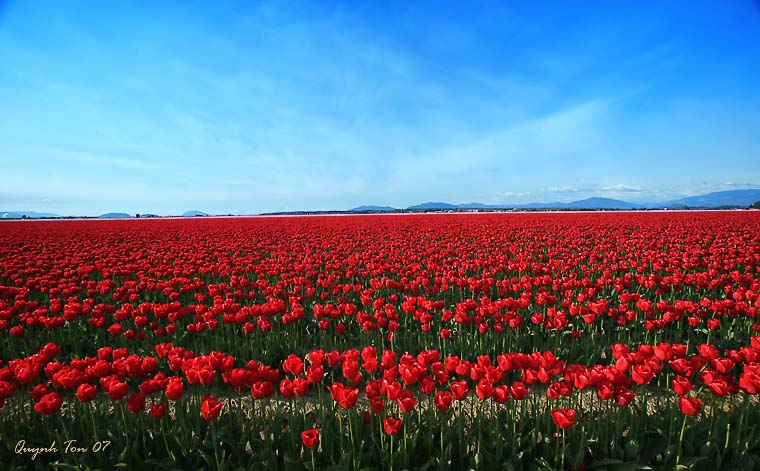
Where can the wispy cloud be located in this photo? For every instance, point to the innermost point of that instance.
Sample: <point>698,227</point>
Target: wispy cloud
<point>703,186</point>
<point>106,161</point>
<point>622,188</point>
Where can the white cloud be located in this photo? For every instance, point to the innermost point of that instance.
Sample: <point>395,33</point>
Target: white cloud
<point>539,141</point>
<point>622,188</point>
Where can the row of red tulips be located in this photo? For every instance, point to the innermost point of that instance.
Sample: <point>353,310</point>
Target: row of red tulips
<point>383,376</point>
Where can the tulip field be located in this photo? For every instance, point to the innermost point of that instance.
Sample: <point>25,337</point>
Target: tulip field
<point>544,341</point>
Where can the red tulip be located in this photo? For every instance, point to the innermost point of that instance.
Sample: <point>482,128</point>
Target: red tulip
<point>293,365</point>
<point>392,426</point>
<point>623,396</point>
<point>211,409</point>
<point>345,396</point>
<point>262,389</point>
<point>175,388</point>
<point>310,437</point>
<point>681,385</point>
<point>39,391</point>
<point>49,404</point>
<point>333,357</point>
<point>518,391</point>
<point>316,357</point>
<point>157,410</point>
<point>689,405</point>
<point>427,385</point>
<point>286,388</point>
<point>136,402</point>
<point>459,389</point>
<point>484,389</point>
<point>6,389</point>
<point>117,390</point>
<point>315,373</point>
<point>406,401</point>
<point>300,387</point>
<point>443,400</point>
<point>377,404</point>
<point>564,418</point>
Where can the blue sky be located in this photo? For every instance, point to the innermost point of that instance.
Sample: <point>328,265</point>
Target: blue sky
<point>248,107</point>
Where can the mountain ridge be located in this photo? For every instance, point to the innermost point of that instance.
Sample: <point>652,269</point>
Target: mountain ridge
<point>718,199</point>
<point>28,214</point>
<point>372,207</point>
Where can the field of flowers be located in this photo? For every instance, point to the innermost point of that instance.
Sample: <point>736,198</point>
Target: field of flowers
<point>617,341</point>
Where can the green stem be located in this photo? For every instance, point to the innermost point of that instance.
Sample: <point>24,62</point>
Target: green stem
<point>217,458</point>
<point>680,441</point>
<point>391,469</point>
<point>354,457</point>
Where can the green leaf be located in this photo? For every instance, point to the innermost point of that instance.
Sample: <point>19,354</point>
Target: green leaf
<point>631,467</point>
<point>294,462</point>
<point>65,466</point>
<point>206,457</point>
<point>690,462</point>
<point>631,449</point>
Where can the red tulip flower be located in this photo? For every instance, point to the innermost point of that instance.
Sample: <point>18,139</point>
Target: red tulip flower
<point>500,394</point>
<point>136,402</point>
<point>443,400</point>
<point>157,410</point>
<point>262,389</point>
<point>681,385</point>
<point>484,389</point>
<point>6,389</point>
<point>211,409</point>
<point>293,364</point>
<point>518,390</point>
<point>377,404</point>
<point>286,388</point>
<point>689,405</point>
<point>564,418</point>
<point>310,437</point>
<point>406,401</point>
<point>117,390</point>
<point>175,388</point>
<point>459,389</point>
<point>300,387</point>
<point>39,391</point>
<point>49,404</point>
<point>392,426</point>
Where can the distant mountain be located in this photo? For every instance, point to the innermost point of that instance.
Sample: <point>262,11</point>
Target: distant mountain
<point>731,198</point>
<point>372,208</point>
<point>741,198</point>
<point>555,204</point>
<point>589,203</point>
<point>28,214</point>
<point>115,216</point>
<point>480,206</point>
<point>600,203</point>
<point>194,213</point>
<point>433,206</point>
